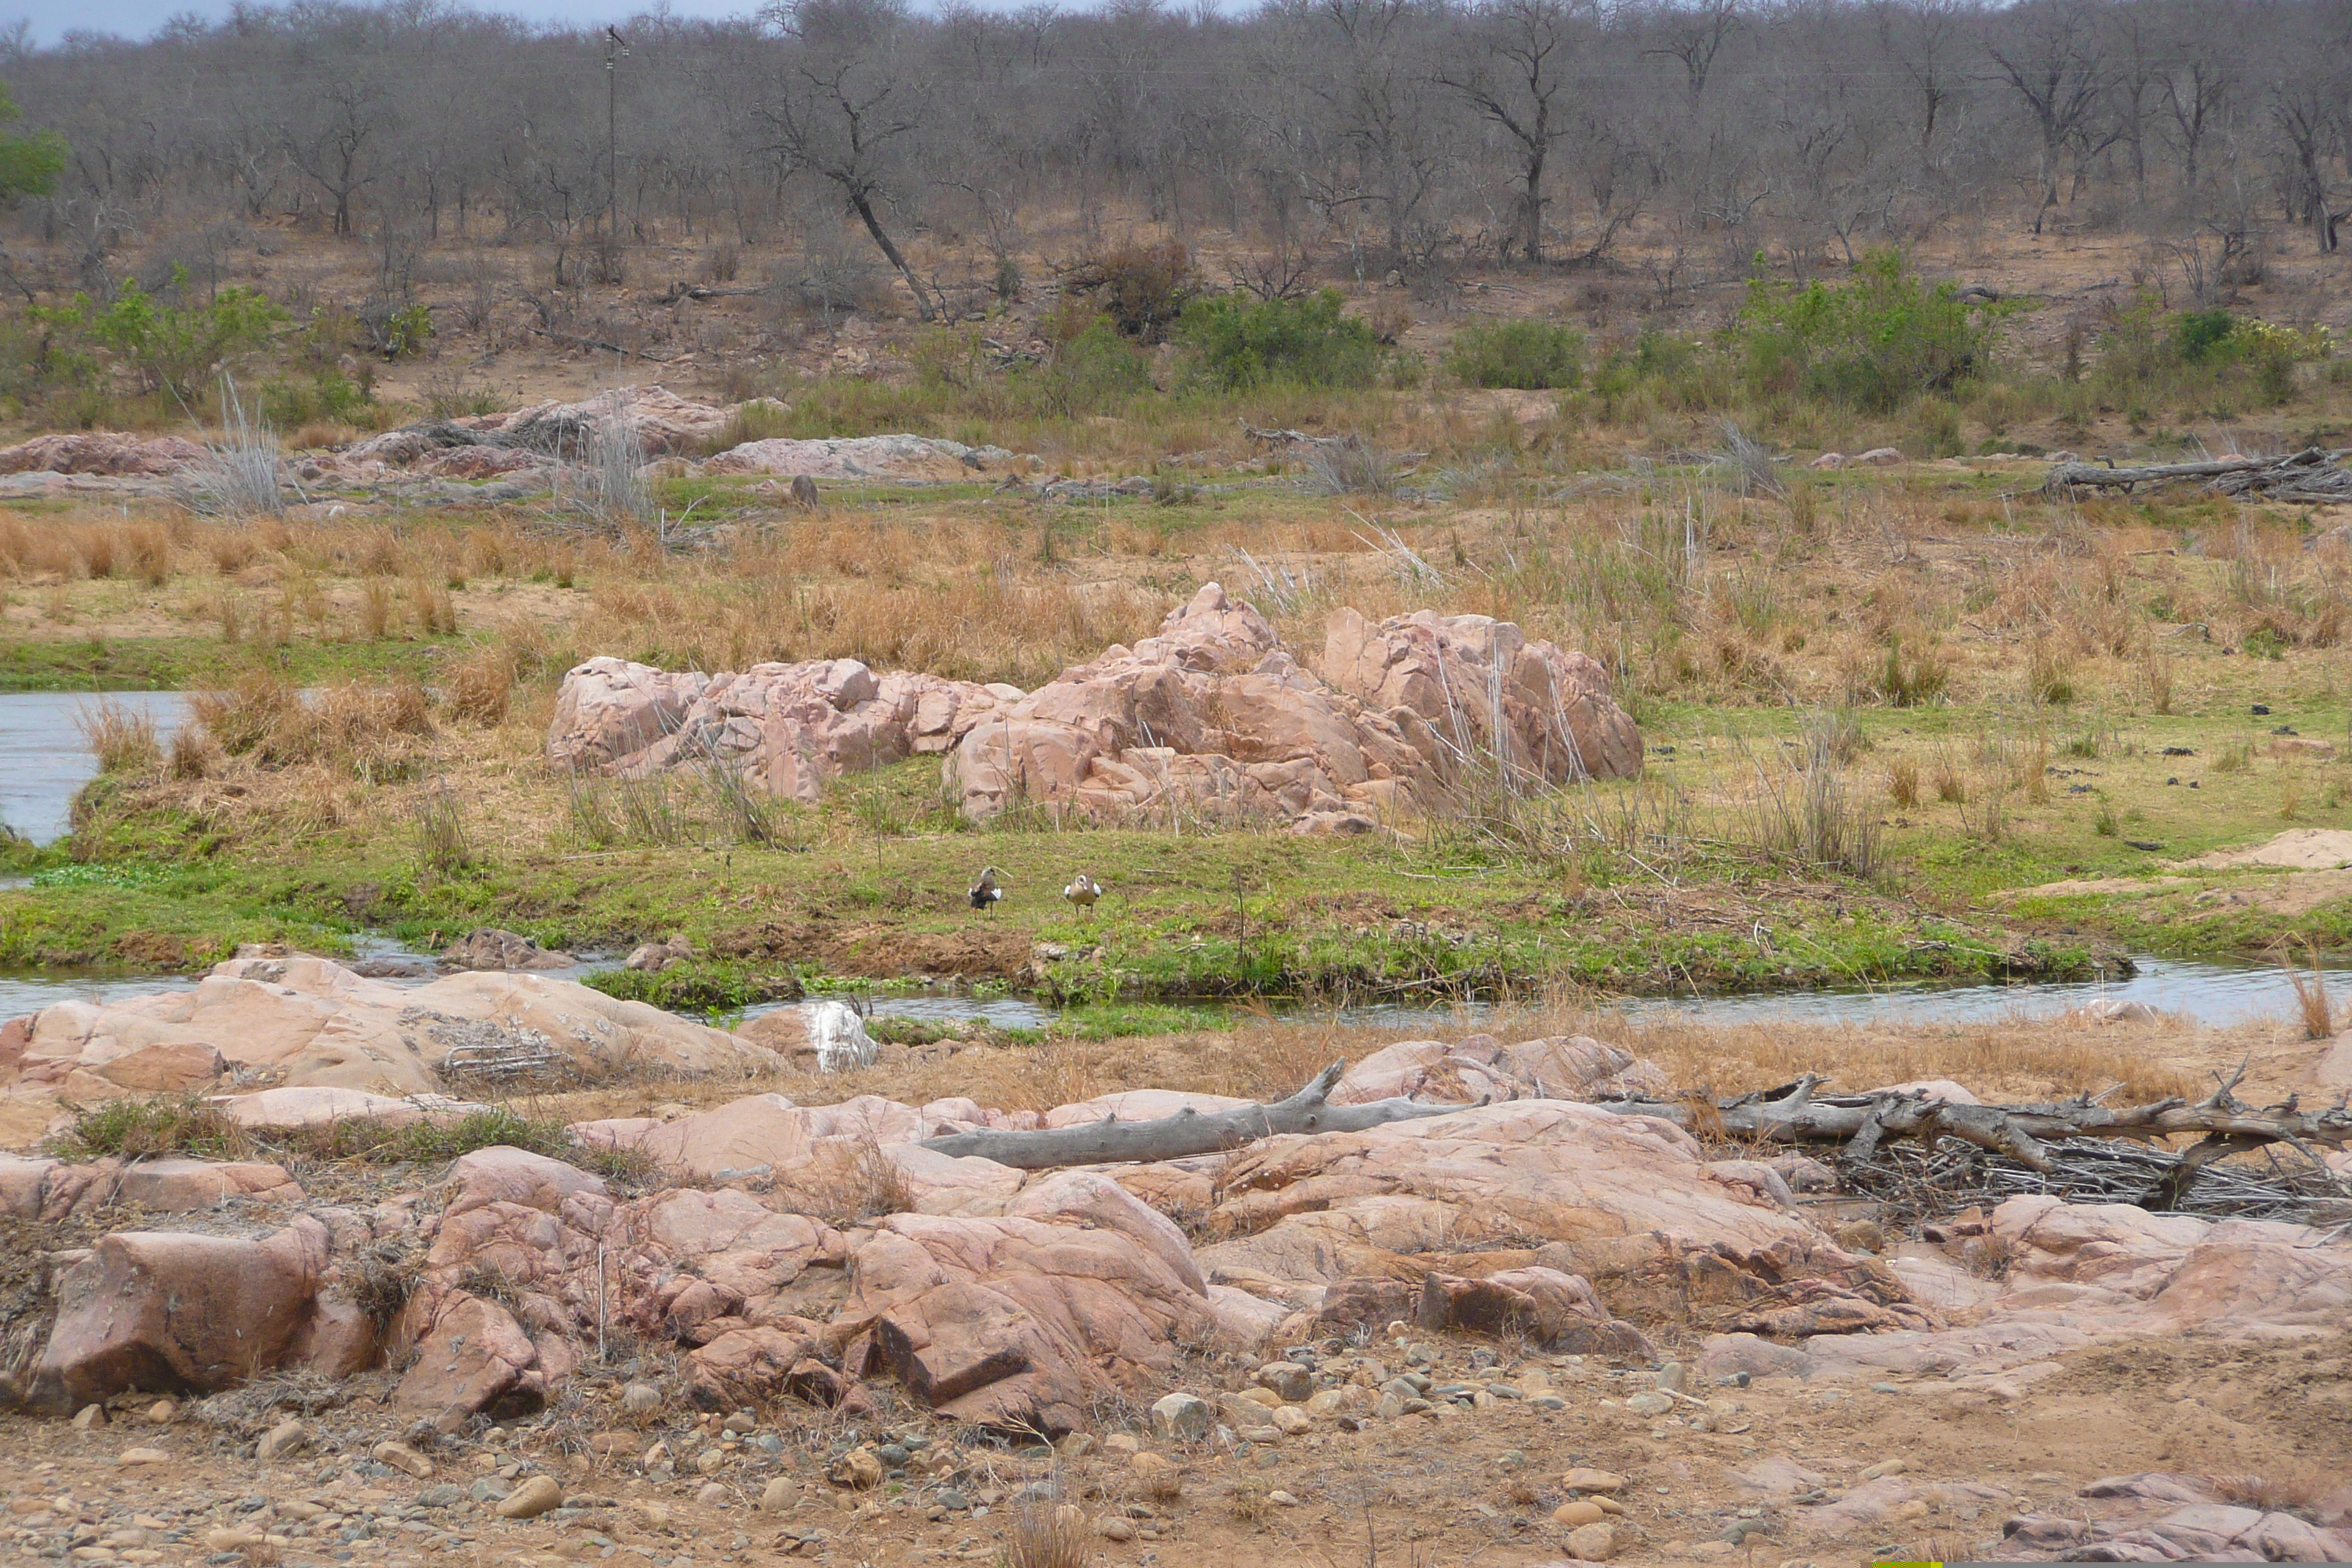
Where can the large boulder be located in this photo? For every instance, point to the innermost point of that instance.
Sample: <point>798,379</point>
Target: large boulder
<point>892,459</point>
<point>2077,1274</point>
<point>310,1022</point>
<point>787,728</point>
<point>1478,683</point>
<point>1017,1322</point>
<point>101,452</point>
<point>1212,716</point>
<point>1209,716</point>
<point>171,1313</point>
<point>1628,1202</point>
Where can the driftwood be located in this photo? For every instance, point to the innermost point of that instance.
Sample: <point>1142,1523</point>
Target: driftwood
<point>2310,476</point>
<point>1185,1133</point>
<point>1860,1122</point>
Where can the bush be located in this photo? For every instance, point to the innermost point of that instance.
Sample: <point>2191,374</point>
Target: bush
<point>1095,367</point>
<point>174,348</point>
<point>1531,355</point>
<point>1244,342</point>
<point>2195,355</point>
<point>1143,288</point>
<point>1870,345</point>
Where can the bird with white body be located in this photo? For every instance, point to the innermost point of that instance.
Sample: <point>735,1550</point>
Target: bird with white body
<point>1083,891</point>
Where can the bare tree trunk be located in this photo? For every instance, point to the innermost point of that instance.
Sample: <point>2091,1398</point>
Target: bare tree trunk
<point>1185,1133</point>
<point>865,207</point>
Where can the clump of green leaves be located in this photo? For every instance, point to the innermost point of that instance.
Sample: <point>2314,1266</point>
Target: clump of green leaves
<point>1871,344</point>
<point>1531,355</point>
<point>134,1129</point>
<point>1244,342</point>
<point>176,348</point>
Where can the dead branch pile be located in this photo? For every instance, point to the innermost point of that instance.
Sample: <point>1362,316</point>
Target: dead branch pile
<point>2310,478</point>
<point>2023,1134</point>
<point>1916,1185</point>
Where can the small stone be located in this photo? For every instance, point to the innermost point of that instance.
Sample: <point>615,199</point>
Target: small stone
<point>133,1458</point>
<point>1593,1542</point>
<point>778,1496</point>
<point>1291,1383</point>
<point>489,1489</point>
<point>1390,1407</point>
<point>640,1400</point>
<point>1122,1443</point>
<point>1582,1512</point>
<point>1584,1480</point>
<point>1885,1388</point>
<point>288,1437</point>
<point>893,1456</point>
<point>228,1538</point>
<point>859,1470</point>
<point>1885,1467</point>
<point>1291,1421</point>
<point>160,1413</point>
<point>443,1496</point>
<point>713,1495</point>
<point>1327,1402</point>
<point>1184,1417</point>
<point>1674,1377</point>
<point>533,1498</point>
<point>87,1416</point>
<point>401,1457</point>
<point>1075,1445</point>
<point>1113,1528</point>
<point>1650,1402</point>
<point>711,1461</point>
<point>1281,1499</point>
<point>953,1500</point>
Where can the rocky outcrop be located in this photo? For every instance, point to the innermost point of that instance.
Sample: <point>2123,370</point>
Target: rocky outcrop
<point>177,1313</point>
<point>2160,1517</point>
<point>102,452</point>
<point>1212,718</point>
<point>493,949</point>
<point>1482,690</point>
<point>871,458</point>
<point>786,728</point>
<point>310,1022</point>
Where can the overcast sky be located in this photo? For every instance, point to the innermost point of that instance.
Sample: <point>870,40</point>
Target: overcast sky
<point>51,19</point>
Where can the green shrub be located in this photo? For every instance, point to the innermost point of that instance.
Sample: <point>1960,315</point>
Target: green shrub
<point>2196,333</point>
<point>2199,357</point>
<point>1531,355</point>
<point>1096,367</point>
<point>1244,342</point>
<point>1870,345</point>
<point>172,348</point>
<point>329,394</point>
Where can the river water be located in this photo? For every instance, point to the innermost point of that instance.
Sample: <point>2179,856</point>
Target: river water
<point>43,760</point>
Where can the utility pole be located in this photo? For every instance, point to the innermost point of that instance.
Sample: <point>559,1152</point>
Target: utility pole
<point>617,49</point>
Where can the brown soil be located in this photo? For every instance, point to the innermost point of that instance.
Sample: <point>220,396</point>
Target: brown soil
<point>2271,1419</point>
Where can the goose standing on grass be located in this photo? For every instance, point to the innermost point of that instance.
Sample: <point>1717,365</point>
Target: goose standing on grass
<point>988,889</point>
<point>1083,891</point>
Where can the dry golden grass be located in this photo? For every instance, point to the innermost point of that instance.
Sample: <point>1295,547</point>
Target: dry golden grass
<point>122,741</point>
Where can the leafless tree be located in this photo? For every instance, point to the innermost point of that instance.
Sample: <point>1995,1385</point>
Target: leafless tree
<point>1522,54</point>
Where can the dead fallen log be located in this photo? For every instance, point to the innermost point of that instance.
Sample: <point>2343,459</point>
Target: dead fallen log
<point>2310,476</point>
<point>1186,1133</point>
<point>1792,1114</point>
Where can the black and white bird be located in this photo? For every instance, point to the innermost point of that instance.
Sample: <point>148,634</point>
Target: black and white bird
<point>988,889</point>
<point>1083,891</point>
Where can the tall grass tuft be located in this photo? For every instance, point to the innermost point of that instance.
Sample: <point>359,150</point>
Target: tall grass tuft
<point>441,833</point>
<point>2311,997</point>
<point>605,478</point>
<point>1812,816</point>
<point>122,740</point>
<point>238,478</point>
